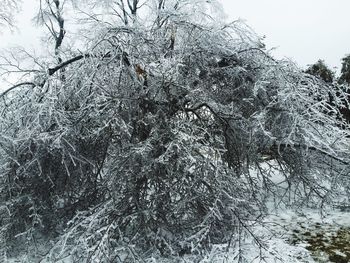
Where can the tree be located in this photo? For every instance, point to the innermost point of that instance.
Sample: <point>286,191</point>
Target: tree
<point>345,71</point>
<point>344,81</point>
<point>151,141</point>
<point>320,69</point>
<point>7,9</point>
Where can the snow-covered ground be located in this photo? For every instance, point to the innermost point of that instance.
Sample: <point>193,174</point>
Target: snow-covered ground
<point>306,236</point>
<point>284,235</point>
<point>299,235</point>
<point>288,236</point>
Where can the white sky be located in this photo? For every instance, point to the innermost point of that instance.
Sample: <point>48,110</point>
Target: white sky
<point>302,30</point>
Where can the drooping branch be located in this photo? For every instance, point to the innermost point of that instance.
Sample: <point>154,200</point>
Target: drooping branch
<point>53,70</point>
<point>312,148</point>
<point>16,86</point>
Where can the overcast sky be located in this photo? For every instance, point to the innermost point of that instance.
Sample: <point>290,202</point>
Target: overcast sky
<point>302,30</point>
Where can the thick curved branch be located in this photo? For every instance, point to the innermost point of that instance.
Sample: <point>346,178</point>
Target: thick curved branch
<point>16,86</point>
<point>53,70</point>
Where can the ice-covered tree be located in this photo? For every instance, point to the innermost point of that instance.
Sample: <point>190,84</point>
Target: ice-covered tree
<point>8,8</point>
<point>345,70</point>
<point>344,81</point>
<point>150,140</point>
<point>321,70</point>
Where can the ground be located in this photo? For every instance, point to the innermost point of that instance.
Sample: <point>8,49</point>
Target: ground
<point>304,236</point>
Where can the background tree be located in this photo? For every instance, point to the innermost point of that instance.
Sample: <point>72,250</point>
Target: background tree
<point>344,81</point>
<point>345,71</point>
<point>321,70</point>
<point>153,143</point>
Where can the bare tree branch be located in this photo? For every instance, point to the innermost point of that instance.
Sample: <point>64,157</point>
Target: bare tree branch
<point>16,86</point>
